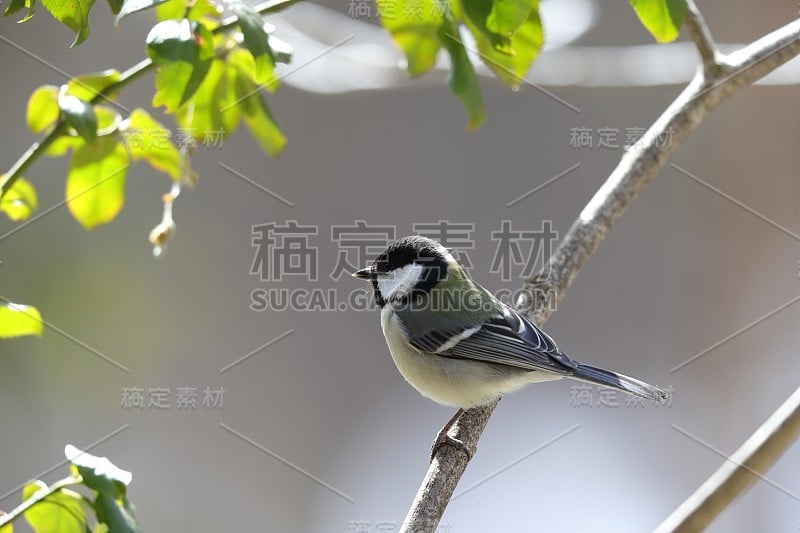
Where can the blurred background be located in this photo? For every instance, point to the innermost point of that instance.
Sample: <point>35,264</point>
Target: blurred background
<point>318,431</point>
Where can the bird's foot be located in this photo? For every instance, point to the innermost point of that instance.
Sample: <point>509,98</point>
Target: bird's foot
<point>444,438</point>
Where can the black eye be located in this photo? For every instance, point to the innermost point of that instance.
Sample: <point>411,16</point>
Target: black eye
<point>381,265</point>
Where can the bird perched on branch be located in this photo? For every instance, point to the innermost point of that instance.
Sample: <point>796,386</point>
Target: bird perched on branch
<point>456,343</point>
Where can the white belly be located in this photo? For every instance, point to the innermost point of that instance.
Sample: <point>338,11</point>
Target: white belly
<point>456,382</point>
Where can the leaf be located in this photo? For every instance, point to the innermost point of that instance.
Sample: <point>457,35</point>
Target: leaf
<point>96,181</point>
<point>172,40</point>
<point>42,108</point>
<point>13,7</point>
<point>17,320</point>
<point>147,139</point>
<point>511,64</point>
<point>115,5</point>
<point>413,25</point>
<point>175,9</point>
<point>184,49</point>
<point>506,16</point>
<point>477,13</point>
<point>88,86</point>
<point>662,18</point>
<point>111,511</point>
<point>59,512</point>
<point>8,528</point>
<point>98,473</point>
<point>134,6</point>
<point>78,114</point>
<point>259,118</point>
<point>64,144</point>
<point>72,13</point>
<point>462,79</point>
<point>256,39</point>
<point>20,201</point>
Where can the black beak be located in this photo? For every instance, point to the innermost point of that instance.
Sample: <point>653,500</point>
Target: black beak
<point>365,273</point>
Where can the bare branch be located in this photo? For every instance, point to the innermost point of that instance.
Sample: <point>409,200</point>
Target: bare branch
<point>702,39</point>
<point>739,471</point>
<point>635,171</point>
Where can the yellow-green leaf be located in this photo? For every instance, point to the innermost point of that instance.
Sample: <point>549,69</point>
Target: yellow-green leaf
<point>72,13</point>
<point>20,201</point>
<point>147,139</point>
<point>11,8</point>
<point>17,320</point>
<point>511,64</point>
<point>462,80</point>
<point>256,39</point>
<point>175,9</point>
<point>64,144</point>
<point>42,108</point>
<point>259,118</point>
<point>60,512</point>
<point>662,18</point>
<point>87,86</point>
<point>413,25</point>
<point>96,181</point>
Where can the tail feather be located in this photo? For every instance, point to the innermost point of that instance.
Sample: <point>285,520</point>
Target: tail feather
<point>607,378</point>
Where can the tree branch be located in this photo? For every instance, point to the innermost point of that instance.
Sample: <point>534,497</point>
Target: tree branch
<point>636,169</point>
<point>701,37</point>
<point>38,497</point>
<point>60,127</point>
<point>739,471</point>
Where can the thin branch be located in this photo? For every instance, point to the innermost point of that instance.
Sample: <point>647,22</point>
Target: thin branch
<point>702,39</point>
<point>739,471</point>
<point>38,148</point>
<point>637,168</point>
<point>38,497</point>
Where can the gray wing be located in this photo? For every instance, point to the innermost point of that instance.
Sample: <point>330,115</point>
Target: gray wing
<point>507,339</point>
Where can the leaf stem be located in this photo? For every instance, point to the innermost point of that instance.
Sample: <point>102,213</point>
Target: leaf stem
<point>38,497</point>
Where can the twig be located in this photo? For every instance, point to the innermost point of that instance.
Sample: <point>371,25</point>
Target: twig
<point>740,471</point>
<point>60,127</point>
<point>37,497</point>
<point>702,39</point>
<point>635,171</point>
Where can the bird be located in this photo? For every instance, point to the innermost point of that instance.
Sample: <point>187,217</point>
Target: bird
<point>459,345</point>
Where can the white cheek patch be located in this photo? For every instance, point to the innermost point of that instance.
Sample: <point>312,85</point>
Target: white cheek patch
<point>399,280</point>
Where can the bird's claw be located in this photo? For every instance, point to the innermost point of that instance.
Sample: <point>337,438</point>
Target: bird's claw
<point>444,438</point>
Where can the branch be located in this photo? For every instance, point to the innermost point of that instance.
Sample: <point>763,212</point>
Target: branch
<point>37,497</point>
<point>635,171</point>
<point>739,471</point>
<point>701,37</point>
<point>60,127</point>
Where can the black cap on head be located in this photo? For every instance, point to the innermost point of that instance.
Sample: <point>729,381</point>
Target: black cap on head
<point>405,251</point>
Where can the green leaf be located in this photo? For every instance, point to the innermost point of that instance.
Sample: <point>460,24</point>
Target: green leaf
<point>20,201</point>
<point>259,118</point>
<point>96,181</point>
<point>72,13</point>
<point>13,7</point>
<point>134,6</point>
<point>215,110</point>
<point>147,139</point>
<point>662,18</point>
<point>64,144</point>
<point>413,25</point>
<point>176,9</point>
<point>477,13</point>
<point>172,40</point>
<point>98,473</point>
<point>17,320</point>
<point>88,86</point>
<point>42,108</point>
<point>78,114</point>
<point>506,16</point>
<point>59,512</point>
<point>462,80</point>
<point>512,63</point>
<point>112,512</point>
<point>115,5</point>
<point>184,49</point>
<point>8,528</point>
<point>256,39</point>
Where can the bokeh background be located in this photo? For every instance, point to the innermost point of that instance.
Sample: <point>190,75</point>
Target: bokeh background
<point>684,269</point>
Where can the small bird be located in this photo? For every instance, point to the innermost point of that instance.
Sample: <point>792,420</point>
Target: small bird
<point>456,343</point>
